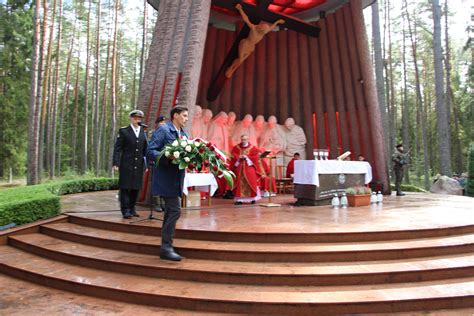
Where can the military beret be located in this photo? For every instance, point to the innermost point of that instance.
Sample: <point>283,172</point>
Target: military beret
<point>136,113</point>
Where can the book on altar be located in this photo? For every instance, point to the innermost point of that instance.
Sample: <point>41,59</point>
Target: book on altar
<point>344,155</point>
<point>265,154</point>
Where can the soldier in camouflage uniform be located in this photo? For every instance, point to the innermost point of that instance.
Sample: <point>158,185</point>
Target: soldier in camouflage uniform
<point>400,159</point>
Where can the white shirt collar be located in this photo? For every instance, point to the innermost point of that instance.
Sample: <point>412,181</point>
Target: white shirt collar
<point>136,130</point>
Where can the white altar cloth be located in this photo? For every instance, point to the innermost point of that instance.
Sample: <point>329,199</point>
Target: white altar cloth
<point>201,181</point>
<point>308,171</point>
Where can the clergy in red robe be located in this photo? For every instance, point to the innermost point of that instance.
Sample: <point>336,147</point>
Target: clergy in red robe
<point>290,169</point>
<point>244,164</point>
<point>268,187</point>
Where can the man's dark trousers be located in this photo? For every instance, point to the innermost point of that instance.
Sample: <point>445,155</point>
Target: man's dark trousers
<point>172,214</point>
<point>128,199</point>
<point>398,179</point>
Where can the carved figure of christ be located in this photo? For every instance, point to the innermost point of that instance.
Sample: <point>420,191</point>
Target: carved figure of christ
<point>247,45</point>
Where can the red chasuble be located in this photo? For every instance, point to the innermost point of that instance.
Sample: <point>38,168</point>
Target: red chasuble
<point>246,187</point>
<point>290,169</point>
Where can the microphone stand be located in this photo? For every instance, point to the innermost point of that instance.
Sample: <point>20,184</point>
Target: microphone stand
<point>270,179</point>
<point>152,200</point>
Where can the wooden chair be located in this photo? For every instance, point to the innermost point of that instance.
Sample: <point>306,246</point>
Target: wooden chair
<point>282,182</point>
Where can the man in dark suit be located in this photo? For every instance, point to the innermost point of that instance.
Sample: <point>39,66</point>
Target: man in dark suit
<point>129,159</point>
<point>168,180</point>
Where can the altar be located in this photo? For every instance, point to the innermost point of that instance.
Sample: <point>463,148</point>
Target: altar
<point>316,181</point>
<point>201,182</point>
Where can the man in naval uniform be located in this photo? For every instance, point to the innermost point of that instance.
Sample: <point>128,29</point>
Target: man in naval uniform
<point>129,159</point>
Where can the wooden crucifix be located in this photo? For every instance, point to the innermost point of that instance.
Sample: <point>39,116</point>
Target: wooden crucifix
<point>258,21</point>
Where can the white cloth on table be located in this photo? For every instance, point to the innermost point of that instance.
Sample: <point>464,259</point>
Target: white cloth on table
<point>200,181</point>
<point>308,171</point>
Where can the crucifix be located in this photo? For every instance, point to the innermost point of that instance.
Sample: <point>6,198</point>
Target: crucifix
<point>258,22</point>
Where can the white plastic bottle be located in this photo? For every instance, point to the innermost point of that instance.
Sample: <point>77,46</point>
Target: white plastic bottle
<point>344,201</point>
<point>379,197</point>
<point>335,201</point>
<point>373,198</point>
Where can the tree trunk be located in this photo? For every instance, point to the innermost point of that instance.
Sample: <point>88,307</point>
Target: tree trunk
<point>113,89</point>
<point>442,113</point>
<point>377,43</point>
<point>32,172</point>
<point>52,167</point>
<point>102,124</point>
<point>74,159</point>
<point>85,142</point>
<point>142,53</point>
<point>96,140</point>
<point>65,98</point>
<point>393,128</point>
<point>134,81</point>
<point>39,88</point>
<point>450,101</point>
<point>419,102</point>
<point>405,112</point>
<point>45,98</point>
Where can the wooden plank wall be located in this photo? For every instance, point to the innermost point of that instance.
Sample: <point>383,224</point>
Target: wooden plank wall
<point>317,81</point>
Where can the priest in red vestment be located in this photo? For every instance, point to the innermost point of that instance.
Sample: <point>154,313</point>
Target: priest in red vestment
<point>244,163</point>
<point>290,169</point>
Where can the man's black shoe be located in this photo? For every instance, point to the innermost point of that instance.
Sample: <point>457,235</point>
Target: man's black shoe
<point>400,194</point>
<point>228,195</point>
<point>169,254</point>
<point>127,215</point>
<point>238,203</point>
<point>253,202</point>
<point>134,213</point>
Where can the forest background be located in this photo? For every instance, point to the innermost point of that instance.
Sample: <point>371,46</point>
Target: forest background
<point>70,72</point>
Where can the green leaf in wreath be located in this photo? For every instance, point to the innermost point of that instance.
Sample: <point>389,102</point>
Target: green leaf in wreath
<point>229,178</point>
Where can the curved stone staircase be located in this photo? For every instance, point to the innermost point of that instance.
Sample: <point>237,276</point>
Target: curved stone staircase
<point>245,272</point>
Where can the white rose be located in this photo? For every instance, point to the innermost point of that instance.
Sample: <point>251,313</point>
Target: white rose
<point>167,154</point>
<point>184,143</point>
<point>176,154</point>
<point>197,144</point>
<point>190,142</point>
<point>186,159</point>
<point>175,143</point>
<point>188,148</point>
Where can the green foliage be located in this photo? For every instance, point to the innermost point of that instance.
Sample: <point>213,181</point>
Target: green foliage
<point>83,185</point>
<point>470,179</point>
<point>16,29</point>
<point>360,190</point>
<point>26,204</point>
<point>351,191</point>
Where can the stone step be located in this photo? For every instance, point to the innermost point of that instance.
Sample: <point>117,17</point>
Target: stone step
<point>266,252</point>
<point>256,273</point>
<point>154,229</point>
<point>232,298</point>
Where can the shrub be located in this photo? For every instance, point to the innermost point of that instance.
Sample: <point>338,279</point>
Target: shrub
<point>26,204</point>
<point>470,177</point>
